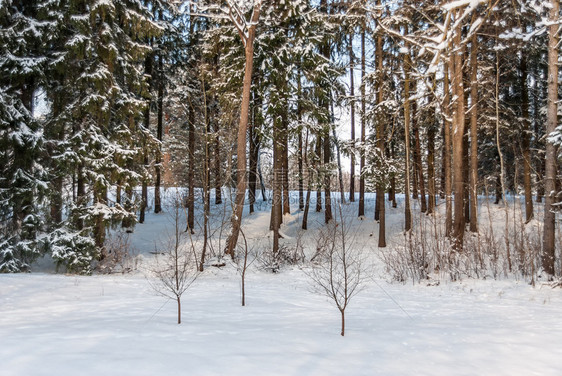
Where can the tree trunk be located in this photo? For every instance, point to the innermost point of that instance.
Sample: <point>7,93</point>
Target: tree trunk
<point>159,129</point>
<point>218,166</point>
<point>144,188</point>
<point>361,211</point>
<point>442,185</point>
<point>99,225</point>
<point>81,198</point>
<point>466,167</point>
<point>431,167</point>
<point>418,163</point>
<point>58,180</point>
<point>352,115</point>
<point>407,210</point>
<point>191,171</point>
<point>327,180</point>
<point>285,162</point>
<point>447,155</point>
<point>526,141</point>
<point>300,146</point>
<point>276,205</point>
<point>206,178</point>
<point>178,299</point>
<point>414,123</point>
<point>392,192</point>
<point>380,133</point>
<point>458,135</point>
<point>474,135</point>
<point>539,160</point>
<point>236,219</point>
<point>317,168</point>
<point>307,205</point>
<point>254,150</point>
<point>548,252</point>
<point>342,322</point>
<point>309,187</point>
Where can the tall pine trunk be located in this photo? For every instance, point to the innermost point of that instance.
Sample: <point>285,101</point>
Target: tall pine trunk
<point>236,218</point>
<point>191,171</point>
<point>380,133</point>
<point>254,151</point>
<point>407,210</point>
<point>447,155</point>
<point>327,180</point>
<point>418,164</point>
<point>361,211</point>
<point>285,161</point>
<point>458,139</point>
<point>144,189</point>
<point>549,229</point>
<point>526,140</point>
<point>218,166</point>
<point>474,134</point>
<point>300,145</point>
<point>352,115</point>
<point>431,167</point>
<point>159,130</point>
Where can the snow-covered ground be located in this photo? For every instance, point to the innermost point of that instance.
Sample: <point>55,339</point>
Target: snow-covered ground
<point>117,325</point>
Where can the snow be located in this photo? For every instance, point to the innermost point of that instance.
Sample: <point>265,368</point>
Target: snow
<point>462,3</point>
<point>117,324</point>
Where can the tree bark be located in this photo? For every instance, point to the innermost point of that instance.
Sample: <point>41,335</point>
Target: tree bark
<point>361,211</point>
<point>526,140</point>
<point>159,129</point>
<point>254,152</point>
<point>342,322</point>
<point>327,180</point>
<point>352,115</point>
<point>380,130</point>
<point>447,155</point>
<point>431,167</point>
<point>191,171</point>
<point>413,123</point>
<point>236,219</point>
<point>407,210</point>
<point>392,191</point>
<point>277,205</point>
<point>474,134</point>
<point>418,163</point>
<point>218,166</point>
<point>309,187</point>
<point>285,160</point>
<point>458,135</point>
<point>144,189</point>
<point>466,167</point>
<point>317,168</point>
<point>548,252</point>
<point>300,145</point>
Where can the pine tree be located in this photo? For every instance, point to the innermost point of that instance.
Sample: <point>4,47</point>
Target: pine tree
<point>22,179</point>
<point>101,74</point>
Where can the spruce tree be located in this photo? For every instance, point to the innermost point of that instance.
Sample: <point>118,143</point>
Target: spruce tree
<point>22,179</point>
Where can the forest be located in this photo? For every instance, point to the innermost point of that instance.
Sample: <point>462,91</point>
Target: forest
<point>309,106</point>
<point>309,187</point>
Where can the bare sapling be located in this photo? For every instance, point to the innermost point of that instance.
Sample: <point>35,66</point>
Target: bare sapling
<point>339,271</point>
<point>177,267</point>
<point>243,264</point>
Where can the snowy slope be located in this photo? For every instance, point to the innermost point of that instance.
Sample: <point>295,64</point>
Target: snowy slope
<point>117,325</point>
